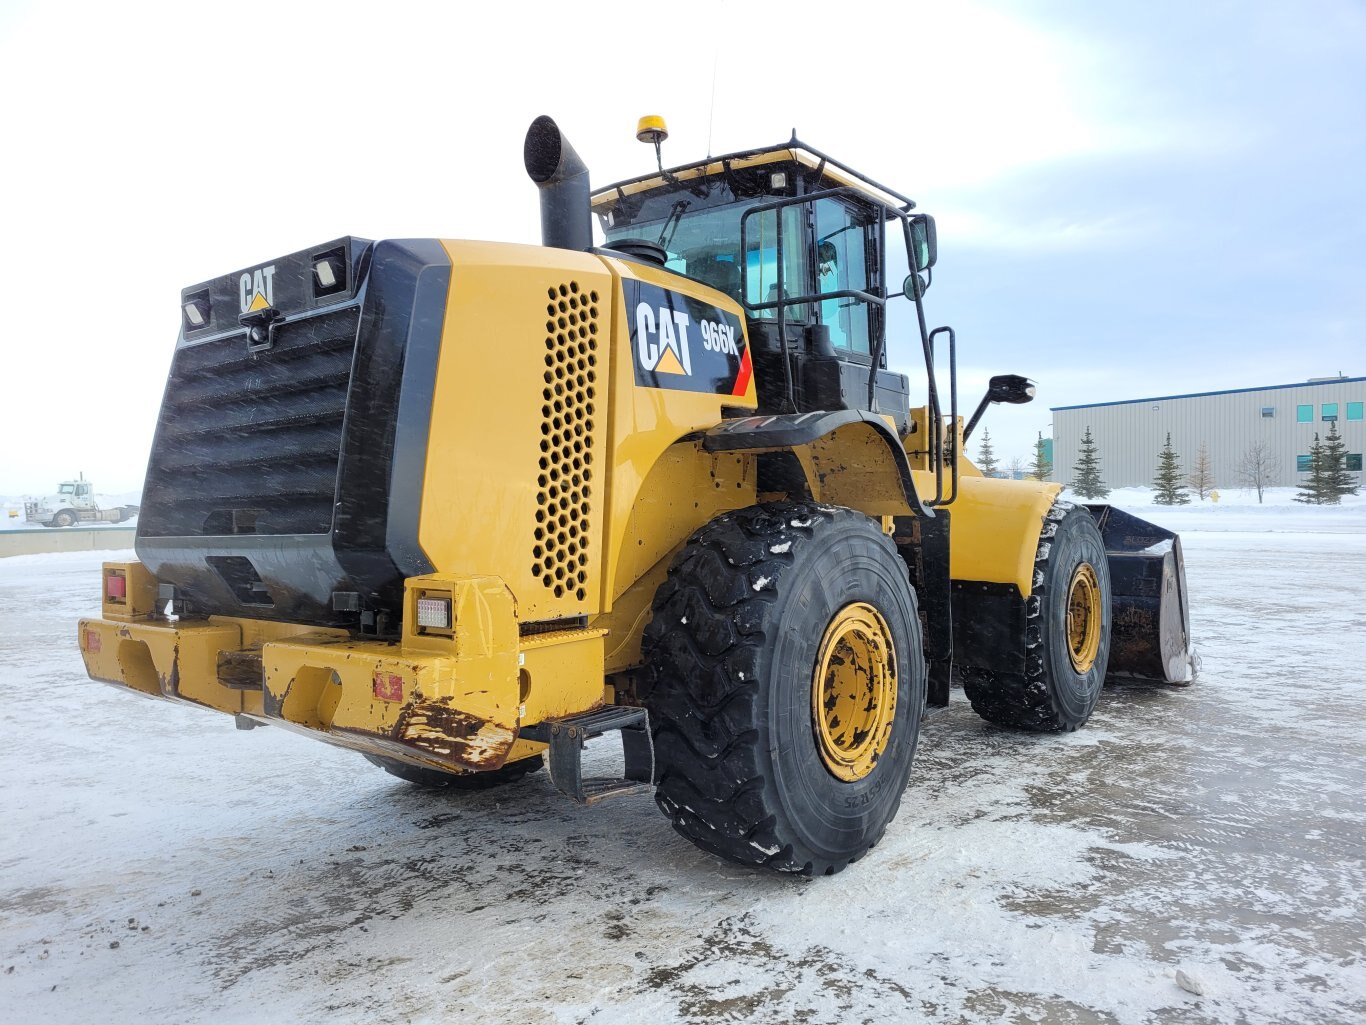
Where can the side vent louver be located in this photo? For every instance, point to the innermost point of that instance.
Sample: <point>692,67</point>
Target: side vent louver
<point>563,501</point>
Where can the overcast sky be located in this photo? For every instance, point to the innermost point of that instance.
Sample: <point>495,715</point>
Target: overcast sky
<point>1132,200</point>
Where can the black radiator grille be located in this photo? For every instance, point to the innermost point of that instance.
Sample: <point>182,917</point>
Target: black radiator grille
<point>248,443</point>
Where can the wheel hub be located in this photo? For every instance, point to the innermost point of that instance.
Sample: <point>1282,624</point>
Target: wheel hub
<point>1083,618</point>
<point>853,694</point>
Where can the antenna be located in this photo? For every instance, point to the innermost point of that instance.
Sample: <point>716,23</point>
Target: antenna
<point>711,113</point>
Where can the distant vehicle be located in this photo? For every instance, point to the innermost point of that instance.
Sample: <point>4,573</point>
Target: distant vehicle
<point>74,502</point>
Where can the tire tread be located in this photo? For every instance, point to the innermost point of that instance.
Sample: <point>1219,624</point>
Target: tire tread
<point>1025,701</point>
<point>705,648</point>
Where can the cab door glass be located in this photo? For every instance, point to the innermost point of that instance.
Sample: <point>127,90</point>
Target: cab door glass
<point>761,256</point>
<point>842,238</point>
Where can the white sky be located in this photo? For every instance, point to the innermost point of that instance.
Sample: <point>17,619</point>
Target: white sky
<point>150,147</point>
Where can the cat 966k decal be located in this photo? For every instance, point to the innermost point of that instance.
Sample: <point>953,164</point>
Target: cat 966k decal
<point>685,344</point>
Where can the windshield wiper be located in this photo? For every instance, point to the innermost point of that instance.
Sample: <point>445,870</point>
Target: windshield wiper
<point>671,223</point>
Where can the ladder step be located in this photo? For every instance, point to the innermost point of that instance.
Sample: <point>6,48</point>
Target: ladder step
<point>568,736</point>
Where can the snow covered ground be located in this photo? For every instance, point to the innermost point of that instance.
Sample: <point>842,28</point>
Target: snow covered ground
<point>158,866</point>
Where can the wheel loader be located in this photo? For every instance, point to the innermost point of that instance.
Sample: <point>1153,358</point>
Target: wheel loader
<point>463,507</point>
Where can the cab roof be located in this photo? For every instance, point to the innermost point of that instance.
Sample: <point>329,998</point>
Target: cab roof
<point>837,174</point>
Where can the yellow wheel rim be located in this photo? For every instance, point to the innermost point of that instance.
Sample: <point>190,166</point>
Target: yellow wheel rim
<point>853,693</point>
<point>1083,618</point>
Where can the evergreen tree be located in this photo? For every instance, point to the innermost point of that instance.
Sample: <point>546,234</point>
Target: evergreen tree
<point>986,457</point>
<point>1201,478</point>
<point>1337,479</point>
<point>1086,480</point>
<point>1167,483</point>
<point>1313,490</point>
<point>1042,467</point>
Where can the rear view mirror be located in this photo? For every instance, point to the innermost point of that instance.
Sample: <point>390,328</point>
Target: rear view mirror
<point>924,242</point>
<point>1010,388</point>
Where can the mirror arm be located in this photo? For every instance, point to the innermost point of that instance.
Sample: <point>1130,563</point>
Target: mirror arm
<point>977,415</point>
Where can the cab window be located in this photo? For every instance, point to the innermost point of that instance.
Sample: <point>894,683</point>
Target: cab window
<point>842,241</point>
<point>761,259</point>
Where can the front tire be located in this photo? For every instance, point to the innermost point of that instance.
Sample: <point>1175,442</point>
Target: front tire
<point>1067,634</point>
<point>786,686</point>
<point>65,518</point>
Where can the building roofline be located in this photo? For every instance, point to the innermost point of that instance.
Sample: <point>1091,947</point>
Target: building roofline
<point>1205,394</point>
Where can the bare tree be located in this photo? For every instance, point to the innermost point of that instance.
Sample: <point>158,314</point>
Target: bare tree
<point>1201,477</point>
<point>1015,469</point>
<point>1259,467</point>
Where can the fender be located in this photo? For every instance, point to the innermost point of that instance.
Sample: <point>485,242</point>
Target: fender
<point>851,457</point>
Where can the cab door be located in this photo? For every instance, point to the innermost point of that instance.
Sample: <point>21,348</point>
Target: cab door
<point>846,260</point>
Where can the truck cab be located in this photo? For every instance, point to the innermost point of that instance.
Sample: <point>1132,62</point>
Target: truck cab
<point>75,494</point>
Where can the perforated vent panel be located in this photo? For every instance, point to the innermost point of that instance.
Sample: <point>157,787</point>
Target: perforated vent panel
<point>564,504</point>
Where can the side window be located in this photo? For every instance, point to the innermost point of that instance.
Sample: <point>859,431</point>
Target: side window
<point>842,264</point>
<point>1304,414</point>
<point>82,490</point>
<point>761,257</point>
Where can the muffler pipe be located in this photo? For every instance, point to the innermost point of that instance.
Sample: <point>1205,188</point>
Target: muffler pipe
<point>566,218</point>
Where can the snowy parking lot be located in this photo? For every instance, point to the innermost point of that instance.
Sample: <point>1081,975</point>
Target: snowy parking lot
<point>158,866</point>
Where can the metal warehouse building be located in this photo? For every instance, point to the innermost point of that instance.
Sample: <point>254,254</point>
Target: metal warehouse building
<point>1130,434</point>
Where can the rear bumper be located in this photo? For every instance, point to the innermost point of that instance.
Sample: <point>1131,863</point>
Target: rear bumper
<point>454,700</point>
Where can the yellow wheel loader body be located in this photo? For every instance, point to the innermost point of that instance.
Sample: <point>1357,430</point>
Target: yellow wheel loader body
<point>428,500</point>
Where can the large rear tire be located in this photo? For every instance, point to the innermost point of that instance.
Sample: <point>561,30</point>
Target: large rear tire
<point>786,686</point>
<point>1067,634</point>
<point>435,779</point>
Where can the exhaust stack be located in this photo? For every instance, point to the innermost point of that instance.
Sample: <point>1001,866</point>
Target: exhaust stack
<point>566,220</point>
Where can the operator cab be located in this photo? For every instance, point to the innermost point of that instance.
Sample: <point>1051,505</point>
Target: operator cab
<point>799,241</point>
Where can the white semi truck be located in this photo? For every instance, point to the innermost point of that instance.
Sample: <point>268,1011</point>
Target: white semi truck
<point>74,502</point>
